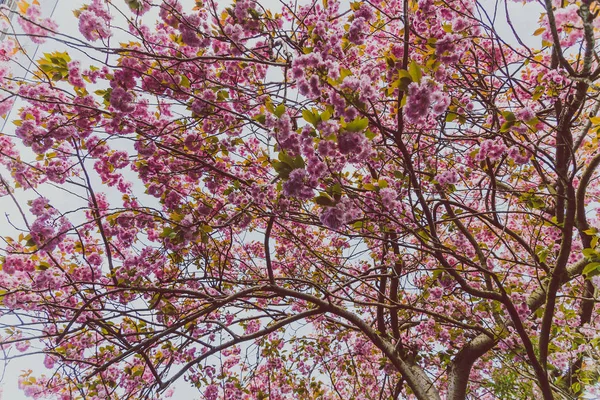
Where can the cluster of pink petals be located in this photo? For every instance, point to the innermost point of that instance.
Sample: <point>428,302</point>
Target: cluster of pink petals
<point>34,25</point>
<point>94,21</point>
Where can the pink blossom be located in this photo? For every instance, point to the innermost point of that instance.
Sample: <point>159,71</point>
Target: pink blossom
<point>94,21</point>
<point>388,198</point>
<point>351,142</point>
<point>6,104</point>
<point>333,217</point>
<point>39,206</point>
<point>356,33</point>
<point>447,178</point>
<point>35,26</point>
<point>252,327</point>
<point>190,34</point>
<point>296,185</point>
<point>75,77</point>
<point>49,361</point>
<point>211,392</point>
<point>122,100</point>
<point>22,346</point>
<point>519,156</point>
<point>418,102</point>
<point>492,149</point>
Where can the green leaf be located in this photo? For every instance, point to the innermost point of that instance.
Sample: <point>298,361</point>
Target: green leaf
<point>451,117</point>
<point>402,73</point>
<point>166,232</point>
<point>591,269</point>
<point>134,5</point>
<point>223,95</point>
<point>370,134</point>
<point>589,253</point>
<point>296,162</point>
<point>509,116</point>
<point>506,126</point>
<point>169,308</point>
<point>325,115</point>
<point>282,169</point>
<point>543,255</point>
<point>285,157</point>
<point>269,106</point>
<point>138,370</point>
<point>402,84</point>
<point>154,301</point>
<point>334,191</point>
<point>324,200</point>
<point>359,124</point>
<point>43,266</point>
<point>185,82</point>
<point>310,117</point>
<point>279,110</point>
<point>537,93</point>
<point>415,71</point>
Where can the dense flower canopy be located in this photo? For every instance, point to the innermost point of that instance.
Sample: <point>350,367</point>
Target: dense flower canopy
<point>321,200</point>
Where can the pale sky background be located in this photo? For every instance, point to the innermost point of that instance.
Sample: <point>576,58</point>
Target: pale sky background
<point>523,17</point>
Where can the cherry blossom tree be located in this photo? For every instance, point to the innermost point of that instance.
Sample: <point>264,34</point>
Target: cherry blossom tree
<point>321,200</point>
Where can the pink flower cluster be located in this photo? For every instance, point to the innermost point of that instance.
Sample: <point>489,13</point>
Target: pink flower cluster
<point>45,231</point>
<point>566,18</point>
<point>244,12</point>
<point>17,263</point>
<point>297,185</point>
<point>517,155</point>
<point>351,142</point>
<point>333,218</point>
<point>57,170</point>
<point>447,178</point>
<point>35,26</point>
<point>252,327</point>
<point>94,21</point>
<point>492,149</point>
<point>75,77</point>
<point>447,48</point>
<point>342,213</point>
<point>34,136</point>
<point>190,33</point>
<point>6,104</point>
<point>302,67</point>
<point>356,33</point>
<point>169,10</point>
<point>389,199</point>
<point>287,138</point>
<point>362,86</point>
<point>201,106</point>
<point>525,114</point>
<point>122,100</point>
<point>424,99</point>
